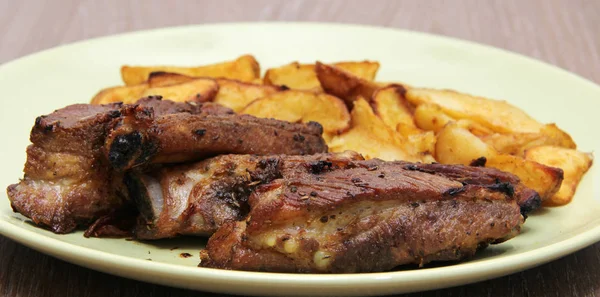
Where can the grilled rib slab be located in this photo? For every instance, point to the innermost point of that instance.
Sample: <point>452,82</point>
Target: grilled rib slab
<point>196,199</point>
<point>67,180</point>
<point>372,216</point>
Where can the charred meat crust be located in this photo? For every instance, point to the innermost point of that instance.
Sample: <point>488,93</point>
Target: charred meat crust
<point>528,199</point>
<point>67,180</point>
<point>185,137</point>
<point>372,216</point>
<point>196,199</point>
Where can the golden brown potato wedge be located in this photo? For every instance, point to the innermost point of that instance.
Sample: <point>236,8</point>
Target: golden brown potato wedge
<point>391,106</point>
<point>543,179</point>
<point>302,106</point>
<point>343,84</point>
<point>498,116</point>
<point>237,95</point>
<point>232,93</point>
<point>196,90</point>
<point>457,145</point>
<point>125,94</point>
<point>431,117</point>
<point>517,143</point>
<point>371,137</point>
<point>165,79</point>
<point>422,141</point>
<point>365,69</point>
<point>244,68</point>
<point>556,136</point>
<point>573,163</point>
<point>304,77</point>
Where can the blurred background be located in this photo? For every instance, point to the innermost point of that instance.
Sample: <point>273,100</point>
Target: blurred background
<point>561,32</point>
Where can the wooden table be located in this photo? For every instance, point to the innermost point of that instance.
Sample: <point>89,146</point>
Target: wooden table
<point>564,33</point>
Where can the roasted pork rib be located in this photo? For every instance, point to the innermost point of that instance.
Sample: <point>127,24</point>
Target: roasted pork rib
<point>371,216</point>
<point>196,199</point>
<point>69,181</point>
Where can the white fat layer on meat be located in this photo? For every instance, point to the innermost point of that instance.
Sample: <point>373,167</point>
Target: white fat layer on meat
<point>155,193</point>
<point>180,193</point>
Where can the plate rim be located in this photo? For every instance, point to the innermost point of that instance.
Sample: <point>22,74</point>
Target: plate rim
<point>455,274</point>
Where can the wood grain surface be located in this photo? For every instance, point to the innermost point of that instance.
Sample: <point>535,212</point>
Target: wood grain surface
<point>564,33</point>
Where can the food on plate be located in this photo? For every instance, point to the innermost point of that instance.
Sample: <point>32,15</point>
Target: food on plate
<point>370,216</point>
<point>304,77</point>
<point>178,87</point>
<point>313,168</point>
<point>498,116</point>
<point>457,145</point>
<point>231,93</point>
<point>67,181</point>
<point>192,90</point>
<point>68,177</point>
<point>573,163</point>
<point>181,137</point>
<point>123,94</point>
<point>302,107</point>
<point>244,68</point>
<point>195,90</point>
<point>370,136</point>
<point>238,95</point>
<point>517,143</point>
<point>196,199</point>
<point>343,84</point>
<point>391,106</point>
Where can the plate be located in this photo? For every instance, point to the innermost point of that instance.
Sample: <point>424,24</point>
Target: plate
<point>39,83</point>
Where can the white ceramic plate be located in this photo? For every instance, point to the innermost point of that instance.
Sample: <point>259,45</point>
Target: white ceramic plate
<point>42,82</point>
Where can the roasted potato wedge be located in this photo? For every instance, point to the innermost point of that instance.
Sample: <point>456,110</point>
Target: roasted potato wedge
<point>197,90</point>
<point>237,95</point>
<point>244,68</point>
<point>517,143</point>
<point>165,79</point>
<point>343,84</point>
<point>573,163</point>
<point>391,106</point>
<point>232,93</point>
<point>371,137</point>
<point>365,69</point>
<point>431,117</point>
<point>125,94</point>
<point>304,77</point>
<point>302,106</point>
<point>457,145</point>
<point>422,141</point>
<point>498,116</point>
<point>543,179</point>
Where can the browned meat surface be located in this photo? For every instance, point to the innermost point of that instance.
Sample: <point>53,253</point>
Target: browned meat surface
<point>187,137</point>
<point>67,180</point>
<point>371,216</point>
<point>196,199</point>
